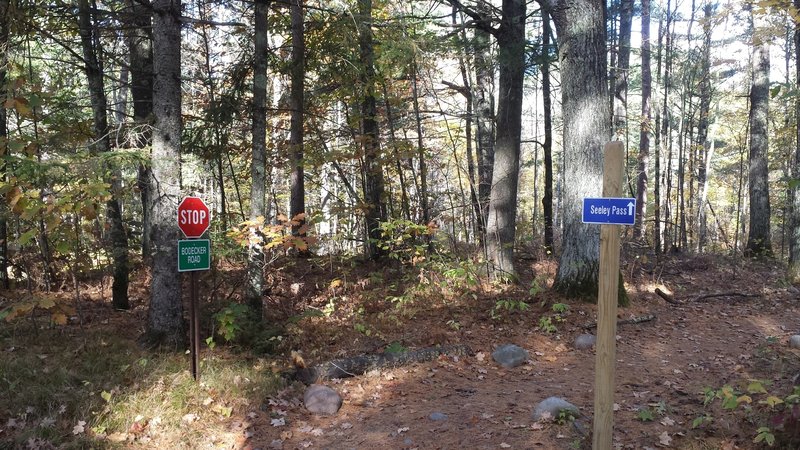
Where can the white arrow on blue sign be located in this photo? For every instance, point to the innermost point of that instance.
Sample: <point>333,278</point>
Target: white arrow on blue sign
<point>609,211</point>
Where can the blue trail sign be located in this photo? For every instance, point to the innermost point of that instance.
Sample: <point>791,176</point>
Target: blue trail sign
<point>609,211</point>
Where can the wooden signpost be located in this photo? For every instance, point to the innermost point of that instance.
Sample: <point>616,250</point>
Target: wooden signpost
<point>612,212</point>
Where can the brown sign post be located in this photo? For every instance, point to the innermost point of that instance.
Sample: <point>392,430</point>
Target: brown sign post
<point>194,254</point>
<point>607,305</point>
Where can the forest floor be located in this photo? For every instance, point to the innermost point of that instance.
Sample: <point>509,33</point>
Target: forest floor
<point>706,373</point>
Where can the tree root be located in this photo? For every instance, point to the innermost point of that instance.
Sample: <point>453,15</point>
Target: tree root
<point>670,299</point>
<point>357,365</point>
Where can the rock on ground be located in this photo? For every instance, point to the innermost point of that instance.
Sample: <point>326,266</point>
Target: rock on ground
<point>510,356</point>
<point>794,341</point>
<point>585,341</point>
<point>320,399</point>
<point>552,407</point>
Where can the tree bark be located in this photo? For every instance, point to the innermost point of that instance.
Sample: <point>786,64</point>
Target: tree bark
<point>140,45</point>
<point>580,26</point>
<point>703,143</point>
<point>102,144</point>
<point>297,202</point>
<point>501,224</point>
<point>255,255</point>
<point>4,257</point>
<point>547,92</point>
<point>165,326</point>
<point>758,239</point>
<point>375,205</point>
<point>620,93</point>
<point>640,229</point>
<point>794,240</point>
<point>483,98</point>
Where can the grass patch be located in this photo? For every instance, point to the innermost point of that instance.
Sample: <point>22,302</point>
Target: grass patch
<point>95,388</point>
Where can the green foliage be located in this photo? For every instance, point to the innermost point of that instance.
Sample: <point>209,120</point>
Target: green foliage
<point>503,308</point>
<point>645,414</point>
<point>548,323</point>
<point>230,320</point>
<point>395,347</point>
<point>565,416</point>
<point>782,414</point>
<point>404,240</point>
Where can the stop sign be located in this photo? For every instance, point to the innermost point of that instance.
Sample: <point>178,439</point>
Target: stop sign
<point>193,217</point>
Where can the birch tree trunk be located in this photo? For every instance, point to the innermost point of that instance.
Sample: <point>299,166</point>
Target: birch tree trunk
<point>581,29</point>
<point>165,326</point>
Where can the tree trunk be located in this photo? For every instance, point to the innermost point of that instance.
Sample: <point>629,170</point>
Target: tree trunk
<point>501,225</point>
<point>102,144</point>
<point>581,30</point>
<point>547,92</point>
<point>423,168</point>
<point>140,45</point>
<point>620,93</point>
<point>373,170</point>
<point>255,256</point>
<point>794,241</point>
<point>640,229</point>
<point>758,239</point>
<point>703,143</point>
<point>4,25</point>
<point>165,326</point>
<point>297,202</point>
<point>483,97</point>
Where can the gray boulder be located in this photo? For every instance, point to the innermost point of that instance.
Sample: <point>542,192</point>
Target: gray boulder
<point>510,356</point>
<point>552,407</point>
<point>437,416</point>
<point>320,399</point>
<point>585,341</point>
<point>794,341</point>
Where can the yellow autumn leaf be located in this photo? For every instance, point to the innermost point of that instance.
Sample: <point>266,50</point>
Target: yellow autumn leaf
<point>59,318</point>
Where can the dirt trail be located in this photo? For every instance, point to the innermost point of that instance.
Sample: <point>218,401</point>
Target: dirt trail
<point>662,367</point>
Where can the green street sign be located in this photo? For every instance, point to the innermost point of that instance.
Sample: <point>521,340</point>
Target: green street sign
<point>194,254</point>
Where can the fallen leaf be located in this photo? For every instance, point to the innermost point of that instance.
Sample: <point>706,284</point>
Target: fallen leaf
<point>346,425</point>
<point>480,356</point>
<point>189,418</point>
<point>537,426</point>
<point>504,445</point>
<point>402,430</point>
<point>118,437</point>
<point>208,401</point>
<point>317,432</point>
<point>664,439</point>
<point>79,428</point>
<point>278,422</point>
<point>667,422</point>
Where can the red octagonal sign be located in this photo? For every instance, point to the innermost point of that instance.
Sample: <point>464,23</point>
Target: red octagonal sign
<point>194,217</point>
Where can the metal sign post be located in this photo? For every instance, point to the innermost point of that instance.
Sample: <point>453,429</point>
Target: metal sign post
<point>194,255</point>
